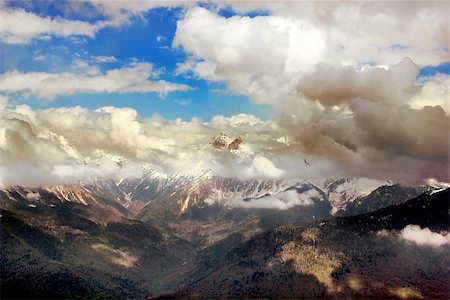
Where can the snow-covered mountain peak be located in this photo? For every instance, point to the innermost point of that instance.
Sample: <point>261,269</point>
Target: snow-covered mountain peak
<point>221,141</point>
<point>237,146</point>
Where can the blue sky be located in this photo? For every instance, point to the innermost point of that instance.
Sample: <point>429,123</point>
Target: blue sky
<point>146,37</point>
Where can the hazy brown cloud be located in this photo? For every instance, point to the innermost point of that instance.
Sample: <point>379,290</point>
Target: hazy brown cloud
<point>365,124</point>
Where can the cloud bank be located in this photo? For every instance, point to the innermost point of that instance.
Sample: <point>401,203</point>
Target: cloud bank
<point>63,145</point>
<point>52,146</point>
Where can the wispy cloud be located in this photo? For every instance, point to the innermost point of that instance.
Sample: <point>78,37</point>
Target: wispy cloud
<point>133,79</point>
<point>19,27</point>
<point>183,102</point>
<point>105,59</point>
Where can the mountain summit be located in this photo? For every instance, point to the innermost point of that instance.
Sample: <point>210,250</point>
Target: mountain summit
<point>223,141</point>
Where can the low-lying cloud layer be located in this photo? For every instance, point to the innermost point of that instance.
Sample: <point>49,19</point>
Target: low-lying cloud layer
<point>61,145</point>
<point>281,201</point>
<point>421,236</point>
<point>424,236</point>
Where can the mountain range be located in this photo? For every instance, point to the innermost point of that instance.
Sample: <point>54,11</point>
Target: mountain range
<point>206,236</point>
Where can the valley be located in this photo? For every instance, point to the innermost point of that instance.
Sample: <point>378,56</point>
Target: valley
<point>195,237</point>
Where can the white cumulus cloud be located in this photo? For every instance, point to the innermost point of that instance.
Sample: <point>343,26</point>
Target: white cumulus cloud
<point>258,56</point>
<point>424,236</point>
<point>359,32</point>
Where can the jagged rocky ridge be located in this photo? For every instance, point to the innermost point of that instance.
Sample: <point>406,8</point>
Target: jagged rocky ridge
<point>99,249</point>
<point>189,192</point>
<point>181,203</point>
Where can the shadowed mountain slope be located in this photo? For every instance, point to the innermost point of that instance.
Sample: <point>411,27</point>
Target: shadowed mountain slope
<point>361,256</point>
